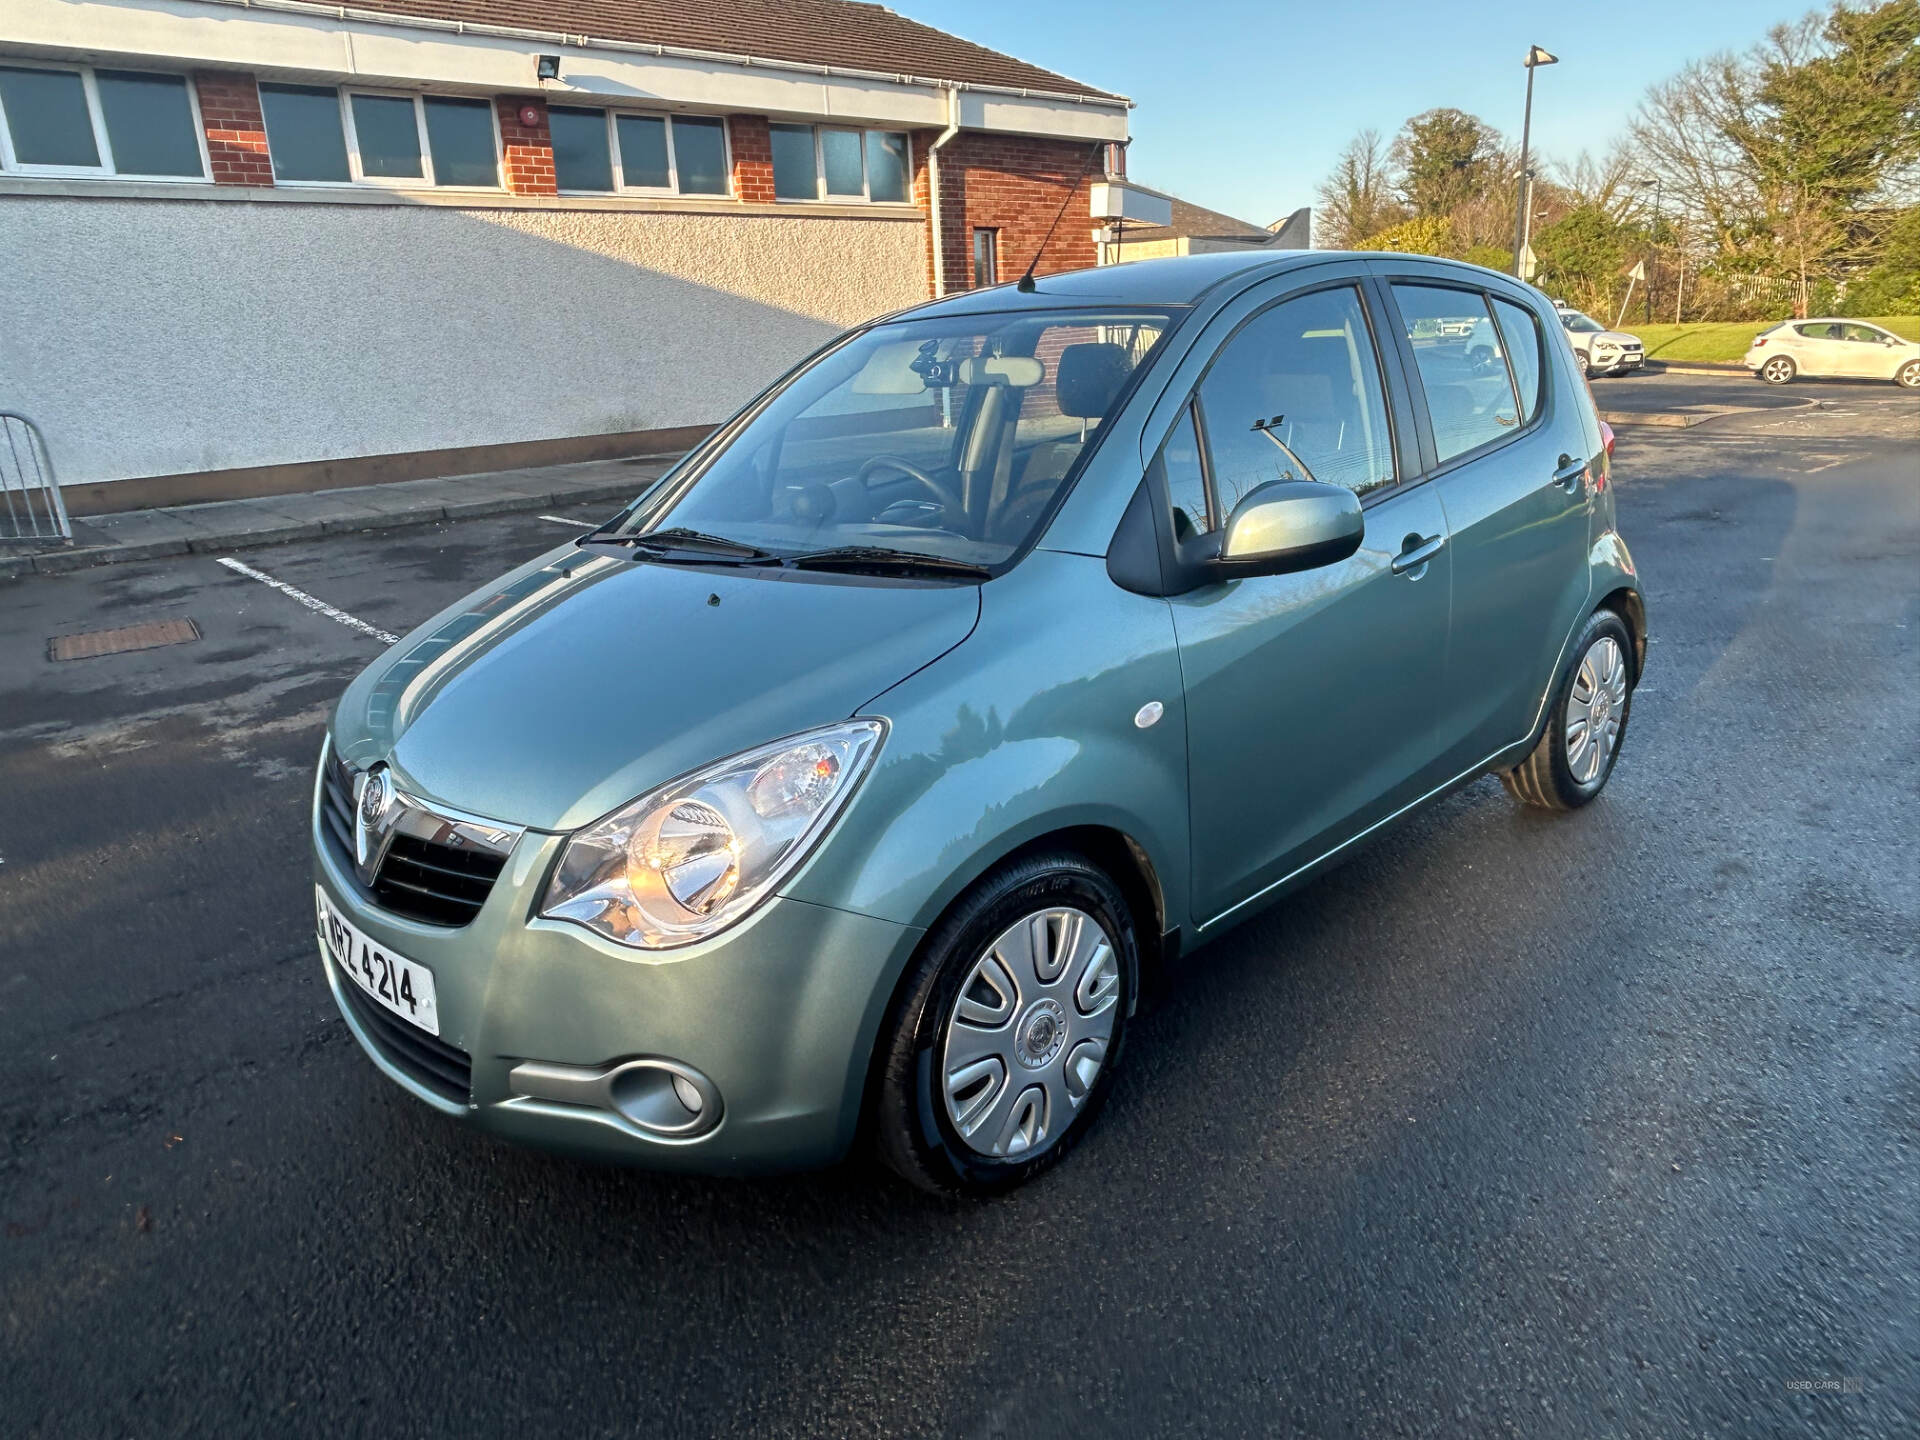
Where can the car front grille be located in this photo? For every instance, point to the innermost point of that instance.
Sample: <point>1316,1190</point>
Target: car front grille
<point>434,883</point>
<point>420,878</point>
<point>427,1060</point>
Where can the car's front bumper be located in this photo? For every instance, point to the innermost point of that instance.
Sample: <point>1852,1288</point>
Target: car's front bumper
<point>779,1014</point>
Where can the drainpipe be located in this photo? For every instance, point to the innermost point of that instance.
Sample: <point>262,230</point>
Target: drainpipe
<point>933,184</point>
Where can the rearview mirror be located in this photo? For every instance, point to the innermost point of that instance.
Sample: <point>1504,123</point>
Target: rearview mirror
<point>1289,525</point>
<point>1019,371</point>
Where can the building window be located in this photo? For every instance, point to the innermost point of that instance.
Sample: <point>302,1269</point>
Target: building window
<point>79,121</point>
<point>816,162</point>
<point>601,151</point>
<point>318,135</point>
<point>463,141</point>
<point>304,135</point>
<point>387,140</point>
<point>986,258</point>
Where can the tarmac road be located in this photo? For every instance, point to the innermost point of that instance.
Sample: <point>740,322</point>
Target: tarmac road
<point>1602,1125</point>
<point>1654,391</point>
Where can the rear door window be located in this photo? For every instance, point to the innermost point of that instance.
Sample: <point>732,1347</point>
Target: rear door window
<point>1470,396</point>
<point>1521,333</point>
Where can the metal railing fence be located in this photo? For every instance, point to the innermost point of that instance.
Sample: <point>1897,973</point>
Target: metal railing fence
<point>31,510</point>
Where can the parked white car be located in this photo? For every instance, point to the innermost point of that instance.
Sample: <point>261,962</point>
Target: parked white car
<point>1838,349</point>
<point>1602,351</point>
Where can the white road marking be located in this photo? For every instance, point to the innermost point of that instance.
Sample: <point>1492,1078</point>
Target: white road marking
<point>313,603</point>
<point>576,524</point>
<point>1828,466</point>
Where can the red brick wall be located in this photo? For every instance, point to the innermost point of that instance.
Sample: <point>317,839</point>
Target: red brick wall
<point>529,148</point>
<point>236,134</point>
<point>752,147</point>
<point>1013,184</point>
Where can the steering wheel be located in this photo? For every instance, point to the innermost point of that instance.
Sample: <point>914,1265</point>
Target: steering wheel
<point>948,500</point>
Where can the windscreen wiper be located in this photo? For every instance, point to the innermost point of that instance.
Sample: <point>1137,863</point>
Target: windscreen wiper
<point>879,560</point>
<point>684,542</point>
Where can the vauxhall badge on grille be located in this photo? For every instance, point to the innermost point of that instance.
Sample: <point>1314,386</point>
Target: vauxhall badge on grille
<point>371,819</point>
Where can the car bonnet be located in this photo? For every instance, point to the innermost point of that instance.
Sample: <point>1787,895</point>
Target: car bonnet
<point>581,681</point>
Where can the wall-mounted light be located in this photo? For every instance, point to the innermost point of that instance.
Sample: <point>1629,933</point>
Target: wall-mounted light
<point>547,67</point>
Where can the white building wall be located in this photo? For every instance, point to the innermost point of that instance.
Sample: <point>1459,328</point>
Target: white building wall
<point>159,336</point>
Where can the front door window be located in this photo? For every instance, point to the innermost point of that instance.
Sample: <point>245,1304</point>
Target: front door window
<point>1297,382</point>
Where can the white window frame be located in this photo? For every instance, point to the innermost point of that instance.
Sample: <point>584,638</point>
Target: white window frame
<point>350,135</point>
<point>420,98</point>
<point>865,197</point>
<point>992,233</point>
<point>672,188</point>
<point>356,170</point>
<point>106,169</point>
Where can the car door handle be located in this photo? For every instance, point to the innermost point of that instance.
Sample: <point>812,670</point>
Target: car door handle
<point>1417,552</point>
<point>1570,473</point>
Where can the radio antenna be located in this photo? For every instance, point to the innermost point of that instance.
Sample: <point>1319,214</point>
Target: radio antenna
<point>1025,284</point>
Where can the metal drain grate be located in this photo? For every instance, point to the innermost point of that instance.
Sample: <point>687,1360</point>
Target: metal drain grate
<point>114,642</point>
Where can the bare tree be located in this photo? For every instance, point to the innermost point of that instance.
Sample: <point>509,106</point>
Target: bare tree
<point>1357,200</point>
<point>1609,184</point>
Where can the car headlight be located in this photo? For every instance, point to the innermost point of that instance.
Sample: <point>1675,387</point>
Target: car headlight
<point>689,859</point>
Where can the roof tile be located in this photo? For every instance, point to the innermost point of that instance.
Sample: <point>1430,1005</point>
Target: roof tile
<point>844,33</point>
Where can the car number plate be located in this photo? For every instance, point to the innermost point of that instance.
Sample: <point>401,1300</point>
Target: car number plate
<point>401,985</point>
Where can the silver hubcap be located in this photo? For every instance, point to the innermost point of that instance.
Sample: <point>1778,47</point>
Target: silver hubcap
<point>1029,1033</point>
<point>1595,709</point>
<point>1910,377</point>
<point>1778,370</point>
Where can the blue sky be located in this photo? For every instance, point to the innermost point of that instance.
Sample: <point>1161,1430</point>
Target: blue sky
<point>1242,107</point>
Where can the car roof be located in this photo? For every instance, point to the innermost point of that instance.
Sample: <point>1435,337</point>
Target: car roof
<point>1176,280</point>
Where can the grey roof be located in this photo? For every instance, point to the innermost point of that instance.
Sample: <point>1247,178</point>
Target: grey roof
<point>849,33</point>
<point>1173,281</point>
<point>1190,220</point>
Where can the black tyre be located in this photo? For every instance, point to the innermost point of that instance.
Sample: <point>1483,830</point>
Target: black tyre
<point>1908,376</point>
<point>1003,1041</point>
<point>1778,370</point>
<point>1586,725</point>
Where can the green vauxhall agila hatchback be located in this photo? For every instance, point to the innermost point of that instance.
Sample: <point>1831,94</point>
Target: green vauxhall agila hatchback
<point>840,789</point>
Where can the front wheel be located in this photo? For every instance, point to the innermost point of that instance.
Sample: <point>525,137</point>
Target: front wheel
<point>1575,755</point>
<point>1778,370</point>
<point>1908,377</point>
<point>1002,1044</point>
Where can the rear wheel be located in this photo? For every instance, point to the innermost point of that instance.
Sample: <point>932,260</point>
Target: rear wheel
<point>1908,376</point>
<point>1575,754</point>
<point>1002,1045</point>
<point>1778,370</point>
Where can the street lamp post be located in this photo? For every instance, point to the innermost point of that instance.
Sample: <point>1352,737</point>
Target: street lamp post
<point>1653,243</point>
<point>1535,57</point>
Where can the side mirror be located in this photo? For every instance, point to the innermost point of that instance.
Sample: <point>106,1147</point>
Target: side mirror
<point>1289,525</point>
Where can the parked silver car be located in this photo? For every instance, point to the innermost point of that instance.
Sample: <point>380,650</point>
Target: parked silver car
<point>1833,349</point>
<point>1602,351</point>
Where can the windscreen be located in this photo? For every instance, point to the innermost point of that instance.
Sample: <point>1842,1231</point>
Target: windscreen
<point>1580,324</point>
<point>947,437</point>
